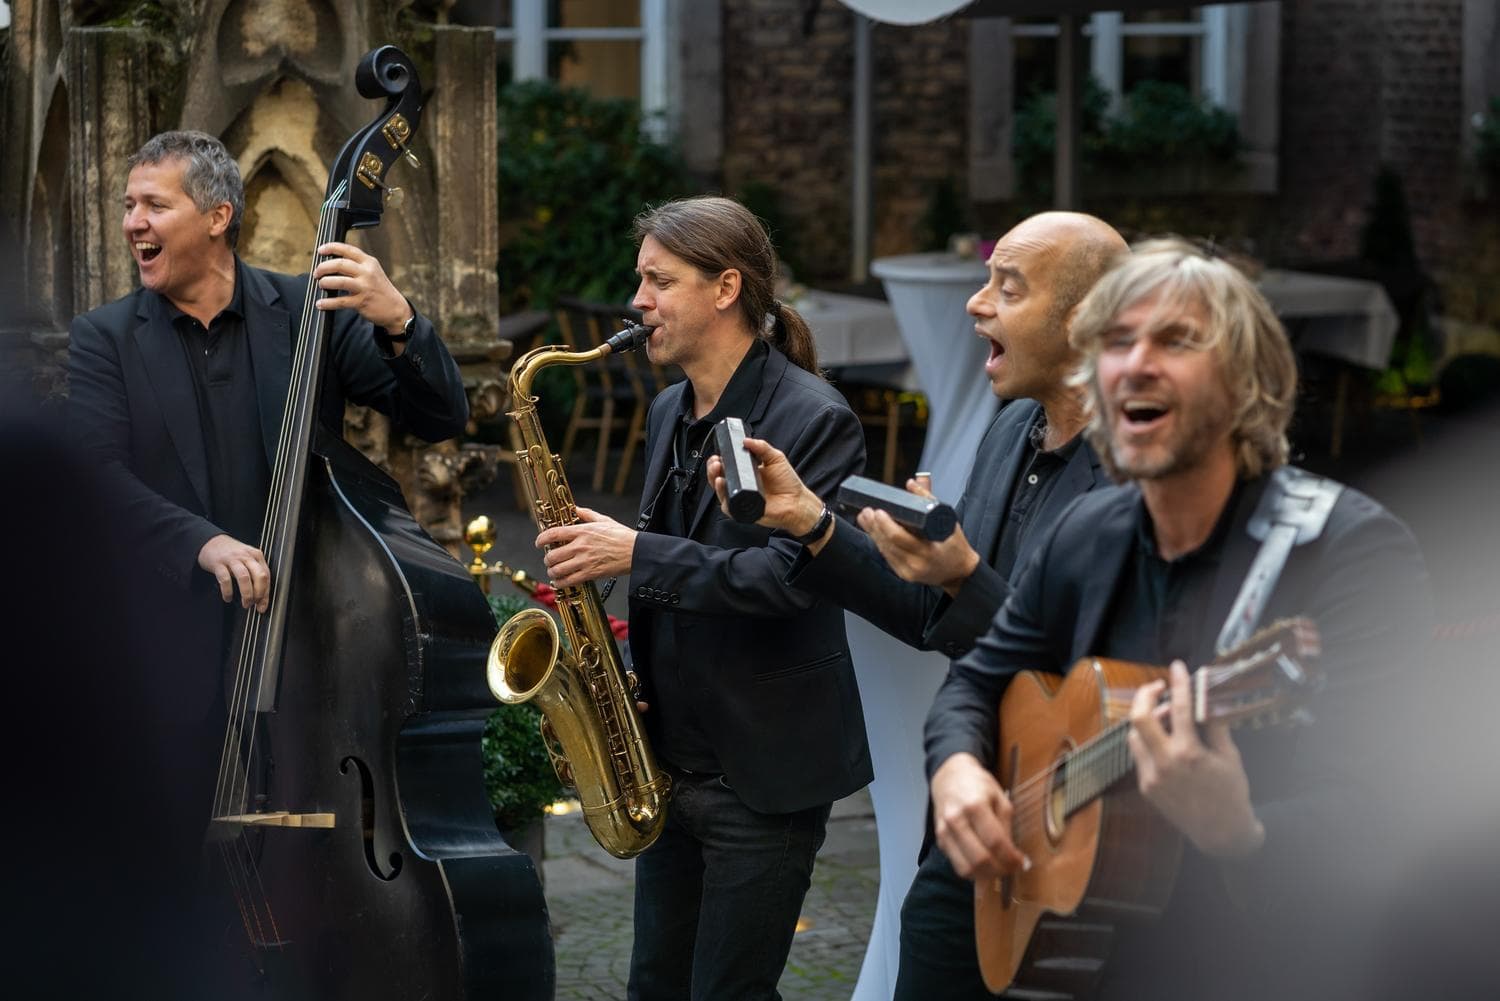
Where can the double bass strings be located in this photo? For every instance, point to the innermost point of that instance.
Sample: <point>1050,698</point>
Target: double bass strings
<point>232,792</point>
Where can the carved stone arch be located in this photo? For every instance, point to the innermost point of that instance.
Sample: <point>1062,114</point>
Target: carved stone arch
<point>276,143</point>
<point>49,224</point>
<point>241,46</point>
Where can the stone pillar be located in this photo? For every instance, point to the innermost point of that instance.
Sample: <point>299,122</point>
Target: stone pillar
<point>111,118</point>
<point>462,142</point>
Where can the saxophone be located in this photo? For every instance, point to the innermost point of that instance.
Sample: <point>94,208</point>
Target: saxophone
<point>590,724</point>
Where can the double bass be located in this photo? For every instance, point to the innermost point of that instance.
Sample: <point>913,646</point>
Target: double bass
<point>350,811</point>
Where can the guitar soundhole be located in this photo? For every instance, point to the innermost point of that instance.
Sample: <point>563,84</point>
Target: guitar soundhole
<point>1055,815</point>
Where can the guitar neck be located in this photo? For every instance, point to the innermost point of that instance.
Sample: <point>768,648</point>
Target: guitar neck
<point>1094,768</point>
<point>1258,680</point>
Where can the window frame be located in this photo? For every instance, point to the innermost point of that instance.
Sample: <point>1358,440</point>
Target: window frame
<point>529,36</point>
<point>1234,36</point>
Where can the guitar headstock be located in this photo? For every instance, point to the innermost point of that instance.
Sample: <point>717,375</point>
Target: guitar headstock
<point>356,184</point>
<point>1264,680</point>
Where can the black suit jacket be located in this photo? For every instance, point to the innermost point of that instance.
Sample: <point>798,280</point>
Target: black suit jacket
<point>850,570</point>
<point>133,405</point>
<point>1315,788</point>
<point>768,663</point>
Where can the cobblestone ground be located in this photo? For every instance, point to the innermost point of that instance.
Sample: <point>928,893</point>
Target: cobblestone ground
<point>589,896</point>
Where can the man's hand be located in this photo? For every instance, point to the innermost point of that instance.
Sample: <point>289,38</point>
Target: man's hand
<point>972,818</point>
<point>1199,786</point>
<point>232,562</point>
<point>945,564</point>
<point>592,549</point>
<point>790,505</point>
<point>366,288</point>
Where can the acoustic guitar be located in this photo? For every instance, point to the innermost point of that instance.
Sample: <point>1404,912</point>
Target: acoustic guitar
<point>1099,850</point>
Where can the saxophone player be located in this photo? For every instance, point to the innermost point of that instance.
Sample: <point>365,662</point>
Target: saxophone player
<point>753,708</point>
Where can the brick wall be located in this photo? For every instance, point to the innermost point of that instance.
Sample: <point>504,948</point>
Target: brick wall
<point>788,102</point>
<point>1364,83</point>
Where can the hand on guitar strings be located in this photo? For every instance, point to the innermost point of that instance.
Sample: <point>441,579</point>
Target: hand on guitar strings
<point>972,818</point>
<point>1198,783</point>
<point>592,548</point>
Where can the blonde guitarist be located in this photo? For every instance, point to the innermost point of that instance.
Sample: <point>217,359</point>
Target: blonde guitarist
<point>1191,382</point>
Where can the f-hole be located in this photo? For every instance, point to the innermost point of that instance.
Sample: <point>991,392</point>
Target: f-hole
<point>371,837</point>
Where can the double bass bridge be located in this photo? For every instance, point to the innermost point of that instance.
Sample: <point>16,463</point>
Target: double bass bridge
<point>280,818</point>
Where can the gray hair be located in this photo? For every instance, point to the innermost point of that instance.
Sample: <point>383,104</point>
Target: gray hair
<point>211,178</point>
<point>1255,356</point>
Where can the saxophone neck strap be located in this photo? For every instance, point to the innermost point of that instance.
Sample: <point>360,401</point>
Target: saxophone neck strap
<point>1293,510</point>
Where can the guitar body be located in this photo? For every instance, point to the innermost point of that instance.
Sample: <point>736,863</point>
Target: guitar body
<point>1049,929</point>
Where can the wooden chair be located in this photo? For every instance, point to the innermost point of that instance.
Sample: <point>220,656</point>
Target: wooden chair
<point>884,399</point>
<point>605,389</point>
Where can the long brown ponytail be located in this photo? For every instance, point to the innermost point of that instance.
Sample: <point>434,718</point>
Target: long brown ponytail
<point>714,234</point>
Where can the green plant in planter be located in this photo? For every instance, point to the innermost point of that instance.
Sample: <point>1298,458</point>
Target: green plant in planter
<point>1157,123</point>
<point>575,171</point>
<point>518,773</point>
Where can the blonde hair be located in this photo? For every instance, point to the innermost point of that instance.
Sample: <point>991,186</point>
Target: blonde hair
<point>1255,357</point>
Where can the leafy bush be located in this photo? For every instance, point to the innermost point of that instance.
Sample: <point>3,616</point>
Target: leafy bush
<point>518,773</point>
<point>1157,124</point>
<point>574,173</point>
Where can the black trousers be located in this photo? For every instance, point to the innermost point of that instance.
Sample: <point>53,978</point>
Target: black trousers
<point>718,895</point>
<point>938,958</point>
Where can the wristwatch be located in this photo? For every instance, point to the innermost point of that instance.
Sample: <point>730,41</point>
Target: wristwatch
<point>406,330</point>
<point>819,527</point>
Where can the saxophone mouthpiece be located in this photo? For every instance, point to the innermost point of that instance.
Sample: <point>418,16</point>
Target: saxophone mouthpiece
<point>632,337</point>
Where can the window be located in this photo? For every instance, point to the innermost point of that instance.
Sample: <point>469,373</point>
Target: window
<point>1204,48</point>
<point>609,48</point>
<point>1191,46</point>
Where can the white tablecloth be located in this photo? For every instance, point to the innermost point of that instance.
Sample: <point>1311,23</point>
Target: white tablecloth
<point>928,293</point>
<point>1345,318</point>
<point>850,330</point>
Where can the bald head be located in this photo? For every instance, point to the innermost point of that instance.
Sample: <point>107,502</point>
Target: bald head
<point>1081,247</point>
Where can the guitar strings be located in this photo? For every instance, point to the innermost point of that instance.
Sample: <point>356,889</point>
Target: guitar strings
<point>1028,799</point>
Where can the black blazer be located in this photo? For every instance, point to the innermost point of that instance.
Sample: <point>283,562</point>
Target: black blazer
<point>1364,583</point>
<point>769,663</point>
<point>133,405</point>
<point>850,570</point>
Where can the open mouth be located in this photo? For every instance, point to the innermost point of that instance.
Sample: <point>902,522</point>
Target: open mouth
<point>1142,414</point>
<point>997,350</point>
<point>147,252</point>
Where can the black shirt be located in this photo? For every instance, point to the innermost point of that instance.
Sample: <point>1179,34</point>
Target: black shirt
<point>1033,486</point>
<point>239,478</point>
<point>683,742</point>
